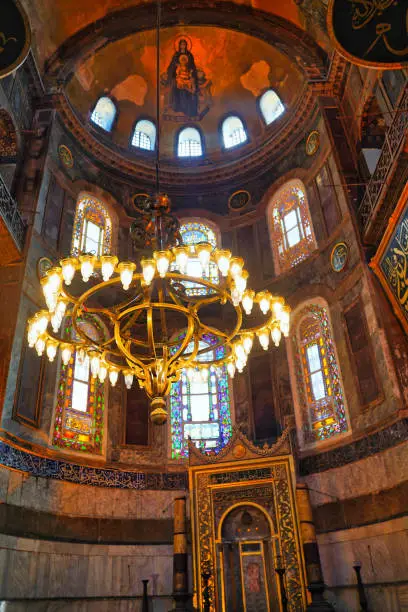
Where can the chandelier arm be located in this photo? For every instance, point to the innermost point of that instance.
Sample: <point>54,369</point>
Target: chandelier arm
<point>257,328</point>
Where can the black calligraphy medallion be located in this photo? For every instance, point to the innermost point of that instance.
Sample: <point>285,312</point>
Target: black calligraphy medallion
<point>15,36</point>
<point>370,32</point>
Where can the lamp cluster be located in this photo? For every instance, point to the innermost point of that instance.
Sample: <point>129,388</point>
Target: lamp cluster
<point>169,268</point>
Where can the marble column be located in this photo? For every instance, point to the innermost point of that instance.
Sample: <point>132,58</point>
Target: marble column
<point>180,560</point>
<point>314,574</point>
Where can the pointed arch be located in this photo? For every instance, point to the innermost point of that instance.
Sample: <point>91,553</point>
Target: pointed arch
<point>321,410</point>
<point>92,231</point>
<point>290,225</point>
<point>104,113</point>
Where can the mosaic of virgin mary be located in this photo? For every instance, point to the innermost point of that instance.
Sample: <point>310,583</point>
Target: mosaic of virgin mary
<point>182,79</point>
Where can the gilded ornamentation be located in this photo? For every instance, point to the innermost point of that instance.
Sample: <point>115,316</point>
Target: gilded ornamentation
<point>65,156</point>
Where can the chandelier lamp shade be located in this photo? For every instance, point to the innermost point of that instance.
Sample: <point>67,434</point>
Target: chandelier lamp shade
<point>155,314</point>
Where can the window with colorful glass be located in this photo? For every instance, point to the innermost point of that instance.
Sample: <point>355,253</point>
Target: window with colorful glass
<point>92,232</point>
<point>318,377</point>
<point>200,408</point>
<point>104,113</point>
<point>291,228</point>
<point>79,418</point>
<point>192,233</point>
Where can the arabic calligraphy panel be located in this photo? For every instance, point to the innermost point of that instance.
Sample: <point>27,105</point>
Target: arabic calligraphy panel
<point>370,32</point>
<point>15,36</point>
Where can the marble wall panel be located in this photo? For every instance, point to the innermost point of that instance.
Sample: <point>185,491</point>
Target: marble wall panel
<point>375,473</point>
<point>382,549</point>
<point>43,569</point>
<point>59,497</point>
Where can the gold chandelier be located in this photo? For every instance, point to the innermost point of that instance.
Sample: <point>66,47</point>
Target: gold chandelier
<point>155,314</point>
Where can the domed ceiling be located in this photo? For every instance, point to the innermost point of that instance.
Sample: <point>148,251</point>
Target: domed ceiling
<point>233,70</point>
<point>55,21</point>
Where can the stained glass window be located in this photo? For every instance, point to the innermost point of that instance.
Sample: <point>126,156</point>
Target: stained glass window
<point>144,136</point>
<point>104,113</point>
<point>92,232</point>
<point>189,143</point>
<point>201,410</point>
<point>291,228</point>
<point>318,377</point>
<point>193,233</point>
<point>79,418</point>
<point>271,106</point>
<point>233,132</point>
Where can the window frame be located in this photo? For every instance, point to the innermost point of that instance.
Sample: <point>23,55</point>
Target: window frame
<point>97,127</point>
<point>139,150</point>
<point>240,145</point>
<point>190,159</point>
<point>260,112</point>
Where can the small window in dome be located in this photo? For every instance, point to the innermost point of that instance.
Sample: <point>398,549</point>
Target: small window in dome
<point>189,143</point>
<point>144,135</point>
<point>271,106</point>
<point>233,132</point>
<point>104,113</point>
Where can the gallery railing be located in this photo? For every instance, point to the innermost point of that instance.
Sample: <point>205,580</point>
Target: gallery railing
<point>11,215</point>
<point>394,140</point>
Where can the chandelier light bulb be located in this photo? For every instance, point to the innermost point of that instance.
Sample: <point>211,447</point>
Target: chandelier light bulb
<point>113,376</point>
<point>263,337</point>
<point>285,320</point>
<point>128,376</point>
<point>277,305</point>
<point>40,346</point>
<point>264,299</point>
<point>81,356</point>
<point>68,267</point>
<point>51,350</point>
<point>204,251</point>
<point>231,369</point>
<point>148,269</point>
<point>103,372</point>
<point>223,257</point>
<point>240,351</point>
<point>126,270</point>
<point>41,321</point>
<point>190,374</point>
<point>108,265</point>
<point>181,255</point>
<point>248,301</point>
<point>236,265</point>
<point>241,281</point>
<point>87,266</point>
<point>66,353</point>
<point>276,334</point>
<point>95,364</point>
<point>56,321</point>
<point>247,343</point>
<point>240,365</point>
<point>235,296</point>
<point>162,262</point>
<point>54,278</point>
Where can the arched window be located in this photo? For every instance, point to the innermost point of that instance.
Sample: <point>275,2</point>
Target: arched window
<point>192,233</point>
<point>92,232</point>
<point>233,132</point>
<point>104,113</point>
<point>291,229</point>
<point>189,143</point>
<point>79,418</point>
<point>201,409</point>
<point>319,386</point>
<point>144,136</point>
<point>271,106</point>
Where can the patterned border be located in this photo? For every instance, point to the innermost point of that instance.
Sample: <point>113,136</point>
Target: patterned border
<point>62,470</point>
<point>370,445</point>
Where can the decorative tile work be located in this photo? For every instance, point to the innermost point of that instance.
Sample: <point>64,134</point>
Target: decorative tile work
<point>370,445</point>
<point>63,470</point>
